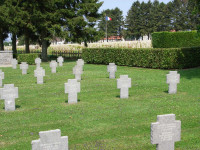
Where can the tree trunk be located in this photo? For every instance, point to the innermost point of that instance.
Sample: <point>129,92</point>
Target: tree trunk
<point>1,41</point>
<point>44,50</point>
<point>14,47</point>
<point>85,43</point>
<point>27,44</point>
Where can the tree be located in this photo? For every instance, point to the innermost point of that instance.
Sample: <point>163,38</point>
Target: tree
<point>3,24</point>
<point>115,26</point>
<point>132,22</point>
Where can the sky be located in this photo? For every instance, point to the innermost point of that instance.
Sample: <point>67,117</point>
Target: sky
<point>123,5</point>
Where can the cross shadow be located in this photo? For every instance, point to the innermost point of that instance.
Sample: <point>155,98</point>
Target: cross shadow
<point>77,100</point>
<point>165,91</point>
<point>16,107</point>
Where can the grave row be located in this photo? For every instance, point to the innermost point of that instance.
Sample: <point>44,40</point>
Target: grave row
<point>73,87</point>
<point>164,133</point>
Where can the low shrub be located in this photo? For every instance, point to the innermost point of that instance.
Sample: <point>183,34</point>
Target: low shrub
<point>175,39</point>
<point>168,58</point>
<point>29,58</point>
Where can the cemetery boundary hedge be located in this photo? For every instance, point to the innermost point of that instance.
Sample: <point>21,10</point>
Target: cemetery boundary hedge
<point>29,58</point>
<point>168,58</point>
<point>175,39</point>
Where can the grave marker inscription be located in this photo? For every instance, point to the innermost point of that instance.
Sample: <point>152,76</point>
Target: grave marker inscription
<point>50,140</point>
<point>165,132</point>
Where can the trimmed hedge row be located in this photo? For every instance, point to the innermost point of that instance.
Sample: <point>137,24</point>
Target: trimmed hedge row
<point>29,58</point>
<point>175,39</point>
<point>172,58</point>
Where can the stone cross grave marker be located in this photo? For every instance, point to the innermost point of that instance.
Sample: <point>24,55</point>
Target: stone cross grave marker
<point>124,83</point>
<point>60,60</point>
<point>173,79</point>
<point>111,68</point>
<point>9,93</point>
<point>14,63</point>
<point>53,65</point>
<point>72,88</point>
<point>39,73</point>
<point>80,62</point>
<point>38,62</point>
<point>165,132</point>
<point>1,78</point>
<point>24,67</point>
<point>50,140</point>
<point>77,71</point>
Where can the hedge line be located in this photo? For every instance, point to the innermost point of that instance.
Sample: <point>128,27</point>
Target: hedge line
<point>29,58</point>
<point>171,58</point>
<point>175,39</point>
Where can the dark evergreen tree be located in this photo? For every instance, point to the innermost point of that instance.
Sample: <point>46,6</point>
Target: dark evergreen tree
<point>115,26</point>
<point>3,23</point>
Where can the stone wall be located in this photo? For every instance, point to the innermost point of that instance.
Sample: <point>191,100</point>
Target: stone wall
<point>6,58</point>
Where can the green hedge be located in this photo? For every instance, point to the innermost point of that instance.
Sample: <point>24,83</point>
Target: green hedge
<point>171,58</point>
<point>29,58</point>
<point>175,39</point>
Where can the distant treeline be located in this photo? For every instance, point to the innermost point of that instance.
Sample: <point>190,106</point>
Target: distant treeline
<point>146,18</point>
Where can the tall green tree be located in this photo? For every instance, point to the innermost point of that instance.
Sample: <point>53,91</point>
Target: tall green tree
<point>132,23</point>
<point>80,18</point>
<point>115,27</point>
<point>3,23</point>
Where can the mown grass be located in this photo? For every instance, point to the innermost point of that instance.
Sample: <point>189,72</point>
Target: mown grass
<point>100,120</point>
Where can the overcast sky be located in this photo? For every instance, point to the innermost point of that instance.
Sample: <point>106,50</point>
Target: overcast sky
<point>123,5</point>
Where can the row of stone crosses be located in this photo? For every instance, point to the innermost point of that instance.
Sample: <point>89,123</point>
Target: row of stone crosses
<point>163,133</point>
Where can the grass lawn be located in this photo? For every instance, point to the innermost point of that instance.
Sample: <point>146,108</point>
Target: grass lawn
<point>100,120</point>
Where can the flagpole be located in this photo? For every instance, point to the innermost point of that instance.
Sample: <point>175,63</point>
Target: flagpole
<point>106,31</point>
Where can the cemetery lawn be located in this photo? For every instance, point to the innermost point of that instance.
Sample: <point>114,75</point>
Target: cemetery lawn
<point>100,120</point>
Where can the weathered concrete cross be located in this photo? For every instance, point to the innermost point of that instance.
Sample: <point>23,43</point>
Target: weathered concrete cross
<point>111,68</point>
<point>72,88</point>
<point>77,71</point>
<point>39,73</point>
<point>165,132</point>
<point>24,67</point>
<point>60,60</point>
<point>14,63</point>
<point>173,79</point>
<point>38,62</point>
<point>50,140</point>
<point>9,93</point>
<point>124,83</point>
<point>53,65</point>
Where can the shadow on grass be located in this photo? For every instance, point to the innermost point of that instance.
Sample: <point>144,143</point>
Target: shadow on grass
<point>16,107</point>
<point>165,91</point>
<point>67,101</point>
<point>190,73</point>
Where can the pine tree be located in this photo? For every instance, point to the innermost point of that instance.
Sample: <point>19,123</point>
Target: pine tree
<point>132,22</point>
<point>115,26</point>
<point>3,23</point>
